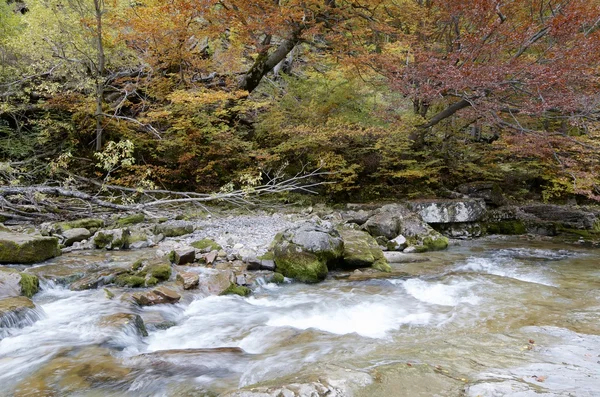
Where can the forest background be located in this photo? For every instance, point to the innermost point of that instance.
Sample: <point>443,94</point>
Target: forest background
<point>386,99</point>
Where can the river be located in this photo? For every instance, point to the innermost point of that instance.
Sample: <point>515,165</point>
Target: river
<point>489,317</point>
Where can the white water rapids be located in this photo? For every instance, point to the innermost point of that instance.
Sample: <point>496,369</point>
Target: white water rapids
<point>485,319</point>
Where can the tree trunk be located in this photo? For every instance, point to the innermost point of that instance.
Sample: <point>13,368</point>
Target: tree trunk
<point>100,66</point>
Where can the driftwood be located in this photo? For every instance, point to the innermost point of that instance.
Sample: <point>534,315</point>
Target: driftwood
<point>40,202</point>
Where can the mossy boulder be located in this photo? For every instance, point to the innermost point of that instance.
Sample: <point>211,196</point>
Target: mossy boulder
<point>235,289</point>
<point>21,248</point>
<point>508,227</point>
<point>304,252</point>
<point>277,278</point>
<point>71,236</point>
<point>130,281</point>
<point>361,250</point>
<point>161,271</point>
<point>206,245</point>
<point>112,239</point>
<point>174,228</point>
<point>30,284</point>
<point>393,220</point>
<point>92,224</point>
<point>131,220</point>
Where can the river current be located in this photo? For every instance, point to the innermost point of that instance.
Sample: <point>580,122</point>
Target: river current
<point>494,317</point>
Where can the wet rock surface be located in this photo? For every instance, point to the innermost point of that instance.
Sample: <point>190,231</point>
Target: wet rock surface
<point>22,248</point>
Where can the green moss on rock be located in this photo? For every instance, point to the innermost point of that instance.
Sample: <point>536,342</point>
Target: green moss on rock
<point>131,220</point>
<point>302,266</point>
<point>102,240</point>
<point>87,223</point>
<point>435,244</point>
<point>161,272</point>
<point>30,284</point>
<point>514,227</point>
<point>206,244</point>
<point>151,282</point>
<point>129,280</point>
<point>234,289</point>
<point>277,278</point>
<point>17,248</point>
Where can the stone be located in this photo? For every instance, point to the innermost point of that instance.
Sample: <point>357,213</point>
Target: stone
<point>246,255</point>
<point>361,250</point>
<point>241,280</point>
<point>234,289</point>
<point>404,257</point>
<point>131,220</point>
<point>174,228</point>
<point>27,249</point>
<point>206,245</point>
<point>75,235</point>
<point>303,252</point>
<point>211,257</point>
<point>16,311</point>
<point>277,278</point>
<point>449,211</point>
<point>97,279</point>
<point>10,280</point>
<point>112,239</point>
<point>189,280</point>
<point>157,296</point>
<point>490,192</point>
<point>397,244</point>
<point>394,220</point>
<point>182,256</point>
<point>91,224</point>
<point>124,322</point>
<point>359,217</point>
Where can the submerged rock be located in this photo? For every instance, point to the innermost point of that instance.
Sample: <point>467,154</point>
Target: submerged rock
<point>361,250</point>
<point>303,252</point>
<point>74,372</point>
<point>17,311</point>
<point>125,322</point>
<point>22,248</point>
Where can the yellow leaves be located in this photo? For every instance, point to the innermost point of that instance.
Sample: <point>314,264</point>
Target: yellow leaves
<point>203,98</point>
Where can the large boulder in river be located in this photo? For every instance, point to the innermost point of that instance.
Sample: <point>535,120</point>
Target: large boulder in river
<point>23,248</point>
<point>75,235</point>
<point>449,211</point>
<point>394,220</point>
<point>303,252</point>
<point>361,250</point>
<point>13,283</point>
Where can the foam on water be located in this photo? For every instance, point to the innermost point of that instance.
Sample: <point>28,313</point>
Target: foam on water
<point>452,293</point>
<point>506,268</point>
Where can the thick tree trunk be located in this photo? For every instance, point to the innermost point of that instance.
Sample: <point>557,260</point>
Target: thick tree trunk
<point>100,66</point>
<point>265,62</point>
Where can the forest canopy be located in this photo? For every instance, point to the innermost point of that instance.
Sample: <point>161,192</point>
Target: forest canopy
<point>389,98</point>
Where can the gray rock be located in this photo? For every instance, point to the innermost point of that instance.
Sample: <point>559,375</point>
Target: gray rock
<point>112,239</point>
<point>174,228</point>
<point>397,244</point>
<point>157,296</point>
<point>23,248</point>
<point>490,192</point>
<point>183,256</point>
<point>125,322</point>
<point>303,252</point>
<point>75,235</point>
<point>361,250</point>
<point>449,211</point>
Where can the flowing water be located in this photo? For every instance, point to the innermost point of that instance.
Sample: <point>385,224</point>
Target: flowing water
<point>487,318</point>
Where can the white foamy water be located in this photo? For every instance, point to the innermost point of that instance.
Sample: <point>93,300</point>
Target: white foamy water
<point>509,268</point>
<point>452,293</point>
